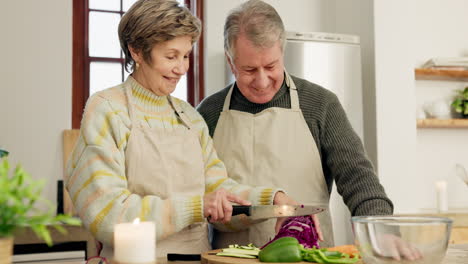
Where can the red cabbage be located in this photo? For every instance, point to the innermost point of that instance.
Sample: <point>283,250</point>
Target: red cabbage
<point>300,227</point>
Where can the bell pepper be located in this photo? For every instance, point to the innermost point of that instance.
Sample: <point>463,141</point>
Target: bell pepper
<point>285,249</point>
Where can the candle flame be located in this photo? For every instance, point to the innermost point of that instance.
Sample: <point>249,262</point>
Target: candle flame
<point>136,221</point>
<point>441,184</point>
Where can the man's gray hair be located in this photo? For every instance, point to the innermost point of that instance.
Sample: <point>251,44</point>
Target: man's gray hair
<point>260,23</point>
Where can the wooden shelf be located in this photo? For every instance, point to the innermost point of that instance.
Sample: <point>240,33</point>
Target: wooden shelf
<point>442,123</point>
<point>446,75</point>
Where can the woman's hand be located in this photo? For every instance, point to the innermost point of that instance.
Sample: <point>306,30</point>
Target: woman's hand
<point>217,205</point>
<point>282,198</point>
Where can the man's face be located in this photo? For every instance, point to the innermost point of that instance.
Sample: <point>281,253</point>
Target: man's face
<point>259,72</point>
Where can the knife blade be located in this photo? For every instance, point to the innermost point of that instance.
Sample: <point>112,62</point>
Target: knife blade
<point>274,211</point>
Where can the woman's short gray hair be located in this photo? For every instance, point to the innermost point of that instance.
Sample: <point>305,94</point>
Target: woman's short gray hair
<point>149,22</point>
<point>260,23</point>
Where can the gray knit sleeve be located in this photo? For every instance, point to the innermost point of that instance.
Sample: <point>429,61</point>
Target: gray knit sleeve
<point>344,158</point>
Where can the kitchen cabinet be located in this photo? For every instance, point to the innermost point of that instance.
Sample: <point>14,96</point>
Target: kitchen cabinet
<point>445,75</point>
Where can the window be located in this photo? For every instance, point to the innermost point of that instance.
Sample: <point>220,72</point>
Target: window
<point>98,62</point>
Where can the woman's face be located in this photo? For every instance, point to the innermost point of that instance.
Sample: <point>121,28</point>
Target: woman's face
<point>169,61</point>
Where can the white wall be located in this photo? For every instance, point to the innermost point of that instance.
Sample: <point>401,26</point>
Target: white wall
<point>450,144</point>
<point>357,18</point>
<point>407,33</point>
<point>35,95</point>
<point>299,15</point>
<point>396,130</point>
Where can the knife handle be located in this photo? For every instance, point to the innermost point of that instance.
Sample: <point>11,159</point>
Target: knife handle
<point>241,209</point>
<point>183,257</point>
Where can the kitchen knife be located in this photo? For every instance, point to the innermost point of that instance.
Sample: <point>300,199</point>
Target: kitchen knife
<point>274,211</point>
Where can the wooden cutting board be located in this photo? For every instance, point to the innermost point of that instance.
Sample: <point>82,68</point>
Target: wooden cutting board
<point>210,258</point>
<point>70,137</point>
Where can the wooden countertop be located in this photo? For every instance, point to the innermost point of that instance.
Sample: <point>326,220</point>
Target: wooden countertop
<point>456,254</point>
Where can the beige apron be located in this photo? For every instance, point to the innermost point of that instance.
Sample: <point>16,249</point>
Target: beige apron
<point>166,164</point>
<point>273,147</point>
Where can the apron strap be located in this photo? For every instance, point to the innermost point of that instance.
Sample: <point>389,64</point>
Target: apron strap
<point>227,101</point>
<point>180,113</point>
<point>292,91</point>
<point>289,83</point>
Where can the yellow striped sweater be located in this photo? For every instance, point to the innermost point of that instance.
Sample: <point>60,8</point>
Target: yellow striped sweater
<point>97,175</point>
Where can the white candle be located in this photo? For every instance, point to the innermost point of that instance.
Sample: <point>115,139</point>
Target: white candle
<point>135,242</point>
<point>441,189</point>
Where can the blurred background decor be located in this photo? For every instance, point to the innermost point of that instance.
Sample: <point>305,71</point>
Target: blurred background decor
<point>19,196</point>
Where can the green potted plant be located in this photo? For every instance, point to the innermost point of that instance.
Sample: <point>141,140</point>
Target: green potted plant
<point>460,102</point>
<point>19,194</point>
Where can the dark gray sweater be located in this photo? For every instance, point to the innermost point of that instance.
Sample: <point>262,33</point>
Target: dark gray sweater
<point>343,156</point>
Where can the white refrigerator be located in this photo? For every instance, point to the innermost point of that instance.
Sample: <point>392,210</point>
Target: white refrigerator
<point>332,61</point>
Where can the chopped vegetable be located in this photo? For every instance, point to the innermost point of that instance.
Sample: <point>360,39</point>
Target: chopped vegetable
<point>241,251</point>
<point>288,249</point>
<point>302,228</point>
<point>249,251</point>
<point>325,256</point>
<point>236,255</point>
<point>348,249</point>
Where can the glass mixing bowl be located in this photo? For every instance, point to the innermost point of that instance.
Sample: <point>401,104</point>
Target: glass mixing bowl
<point>401,239</point>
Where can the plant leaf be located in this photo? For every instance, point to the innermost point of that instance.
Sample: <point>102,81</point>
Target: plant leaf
<point>3,153</point>
<point>60,228</point>
<point>42,232</point>
<point>69,220</point>
<point>19,196</point>
<point>465,93</point>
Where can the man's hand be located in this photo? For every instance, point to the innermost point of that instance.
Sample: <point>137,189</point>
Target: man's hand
<point>282,198</point>
<point>396,248</point>
<point>217,205</point>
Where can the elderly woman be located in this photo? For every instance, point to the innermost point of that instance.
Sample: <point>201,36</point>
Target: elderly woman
<point>144,154</point>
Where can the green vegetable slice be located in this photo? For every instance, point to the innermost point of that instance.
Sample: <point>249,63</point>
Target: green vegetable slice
<point>236,255</point>
<point>249,251</point>
<point>241,251</point>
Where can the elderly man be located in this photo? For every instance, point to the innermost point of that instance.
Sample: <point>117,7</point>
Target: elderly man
<point>273,128</point>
